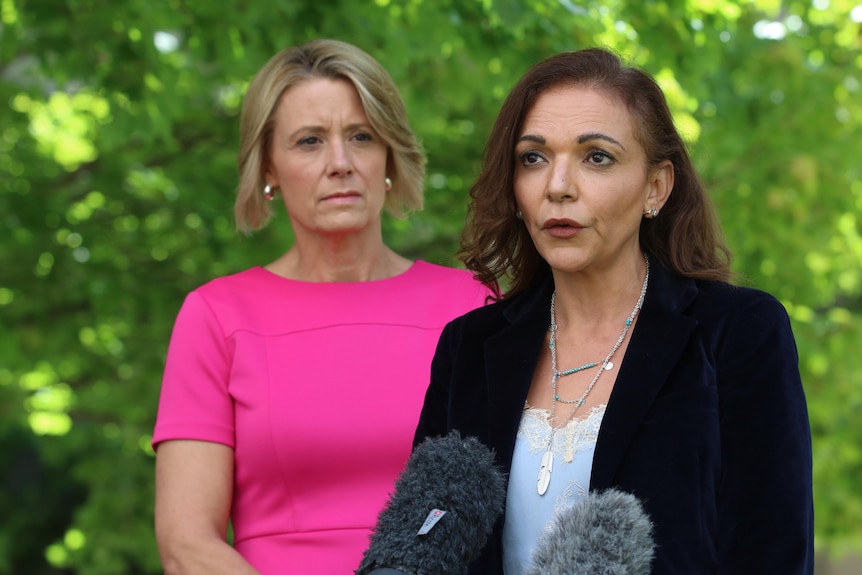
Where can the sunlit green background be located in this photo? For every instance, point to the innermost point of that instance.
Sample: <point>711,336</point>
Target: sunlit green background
<point>117,172</point>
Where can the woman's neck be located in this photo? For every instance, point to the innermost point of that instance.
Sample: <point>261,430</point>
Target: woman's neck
<point>598,298</point>
<point>339,259</point>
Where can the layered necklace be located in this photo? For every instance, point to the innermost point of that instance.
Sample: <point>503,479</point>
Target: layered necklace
<point>547,465</point>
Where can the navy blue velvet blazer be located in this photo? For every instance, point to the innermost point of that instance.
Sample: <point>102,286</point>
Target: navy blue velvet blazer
<point>707,423</point>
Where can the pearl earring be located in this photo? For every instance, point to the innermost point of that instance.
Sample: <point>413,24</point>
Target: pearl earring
<point>268,192</point>
<point>387,184</point>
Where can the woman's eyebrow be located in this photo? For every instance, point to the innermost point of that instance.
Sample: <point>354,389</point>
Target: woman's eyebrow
<point>598,136</point>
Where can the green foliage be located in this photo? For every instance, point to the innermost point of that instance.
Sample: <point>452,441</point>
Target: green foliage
<point>117,175</point>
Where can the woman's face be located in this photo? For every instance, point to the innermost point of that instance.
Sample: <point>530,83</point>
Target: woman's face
<point>582,180</point>
<point>327,160</point>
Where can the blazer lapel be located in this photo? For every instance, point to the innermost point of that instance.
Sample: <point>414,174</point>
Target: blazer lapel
<point>511,356</point>
<point>657,343</point>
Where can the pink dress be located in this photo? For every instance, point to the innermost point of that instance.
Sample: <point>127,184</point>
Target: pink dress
<point>317,387</point>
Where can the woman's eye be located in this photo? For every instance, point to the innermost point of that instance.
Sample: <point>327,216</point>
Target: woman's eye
<point>309,141</point>
<point>600,158</point>
<point>530,158</point>
<point>364,137</point>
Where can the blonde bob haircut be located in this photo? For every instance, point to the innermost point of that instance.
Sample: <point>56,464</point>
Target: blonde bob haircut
<point>383,106</point>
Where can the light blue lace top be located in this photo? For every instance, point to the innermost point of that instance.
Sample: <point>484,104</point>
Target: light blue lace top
<point>528,514</point>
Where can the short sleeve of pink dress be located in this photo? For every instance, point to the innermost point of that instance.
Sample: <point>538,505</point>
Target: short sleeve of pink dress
<point>318,388</point>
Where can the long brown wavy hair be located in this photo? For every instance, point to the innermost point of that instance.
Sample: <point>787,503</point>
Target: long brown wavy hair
<point>685,238</point>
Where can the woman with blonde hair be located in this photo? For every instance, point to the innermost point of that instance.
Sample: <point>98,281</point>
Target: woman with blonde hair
<point>291,390</point>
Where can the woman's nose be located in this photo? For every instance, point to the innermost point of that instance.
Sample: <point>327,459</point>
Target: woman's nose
<point>340,161</point>
<point>561,184</point>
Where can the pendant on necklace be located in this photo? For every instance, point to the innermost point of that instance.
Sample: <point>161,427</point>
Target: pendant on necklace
<point>609,366</point>
<point>545,472</point>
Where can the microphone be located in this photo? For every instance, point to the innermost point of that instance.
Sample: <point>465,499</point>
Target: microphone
<point>444,506</point>
<point>607,533</point>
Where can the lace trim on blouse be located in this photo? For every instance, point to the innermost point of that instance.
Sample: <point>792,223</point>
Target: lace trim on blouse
<point>578,433</point>
<point>574,492</point>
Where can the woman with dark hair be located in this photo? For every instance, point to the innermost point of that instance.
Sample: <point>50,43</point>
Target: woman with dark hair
<point>621,356</point>
<point>291,390</point>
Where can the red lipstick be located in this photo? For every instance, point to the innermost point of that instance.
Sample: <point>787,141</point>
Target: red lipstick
<point>562,228</point>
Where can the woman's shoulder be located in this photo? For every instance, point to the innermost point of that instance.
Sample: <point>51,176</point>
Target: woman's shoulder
<point>440,273</point>
<point>244,279</point>
<point>227,295</point>
<point>449,281</point>
<point>488,319</point>
<point>235,289</point>
<point>742,316</point>
<point>720,298</point>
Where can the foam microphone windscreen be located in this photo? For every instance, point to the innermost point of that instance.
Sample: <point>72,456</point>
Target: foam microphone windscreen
<point>445,504</point>
<point>606,533</point>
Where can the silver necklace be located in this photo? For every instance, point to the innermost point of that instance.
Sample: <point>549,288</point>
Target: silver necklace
<point>547,465</point>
